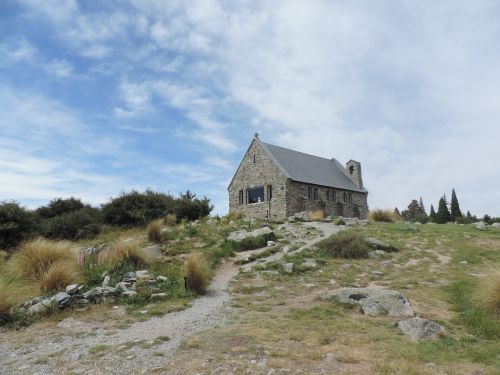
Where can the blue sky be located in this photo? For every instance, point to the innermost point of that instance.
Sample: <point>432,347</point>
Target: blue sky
<point>99,97</point>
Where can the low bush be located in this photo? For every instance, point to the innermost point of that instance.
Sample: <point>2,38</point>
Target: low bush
<point>154,231</point>
<point>487,293</point>
<point>379,215</point>
<point>345,244</point>
<point>13,291</point>
<point>73,225</point>
<point>197,275</point>
<point>339,221</point>
<point>35,258</point>
<point>191,208</point>
<point>60,206</point>
<point>17,224</point>
<point>251,243</point>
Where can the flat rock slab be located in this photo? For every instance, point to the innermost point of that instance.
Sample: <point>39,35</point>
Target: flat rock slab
<point>240,235</point>
<point>376,301</point>
<point>420,329</point>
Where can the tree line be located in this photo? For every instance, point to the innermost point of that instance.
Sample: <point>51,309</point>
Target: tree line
<point>72,219</point>
<point>447,212</point>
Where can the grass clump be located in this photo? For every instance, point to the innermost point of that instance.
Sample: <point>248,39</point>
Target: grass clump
<point>154,231</point>
<point>58,276</point>
<point>13,291</point>
<point>487,293</point>
<point>251,243</point>
<point>317,215</point>
<point>170,220</point>
<point>345,244</point>
<point>379,215</point>
<point>196,274</point>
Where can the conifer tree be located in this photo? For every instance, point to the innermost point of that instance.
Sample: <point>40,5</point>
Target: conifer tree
<point>422,208</point>
<point>432,214</point>
<point>443,214</point>
<point>469,216</point>
<point>396,212</point>
<point>454,207</point>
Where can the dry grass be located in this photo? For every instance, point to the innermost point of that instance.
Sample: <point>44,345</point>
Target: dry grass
<point>170,220</point>
<point>232,216</point>
<point>487,292</point>
<point>3,257</point>
<point>13,291</point>
<point>58,276</point>
<point>197,273</point>
<point>124,253</point>
<point>154,231</point>
<point>345,244</point>
<point>379,215</point>
<point>34,258</point>
<point>317,215</point>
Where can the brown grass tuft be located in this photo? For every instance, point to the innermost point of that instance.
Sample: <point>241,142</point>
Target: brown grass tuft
<point>34,258</point>
<point>170,220</point>
<point>154,231</point>
<point>233,216</point>
<point>317,215</point>
<point>197,273</point>
<point>13,291</point>
<point>379,215</point>
<point>60,275</point>
<point>122,253</point>
<point>345,244</point>
<point>488,292</point>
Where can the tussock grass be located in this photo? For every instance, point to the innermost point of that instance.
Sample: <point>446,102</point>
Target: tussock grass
<point>170,220</point>
<point>251,243</point>
<point>34,258</point>
<point>13,291</point>
<point>58,276</point>
<point>233,216</point>
<point>379,215</point>
<point>154,231</point>
<point>345,244</point>
<point>197,273</point>
<point>127,253</point>
<point>487,293</point>
<point>3,257</point>
<point>317,215</point>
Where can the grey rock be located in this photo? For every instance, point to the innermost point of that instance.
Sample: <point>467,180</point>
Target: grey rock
<point>303,215</point>
<point>309,263</point>
<point>161,279</point>
<point>90,250</point>
<point>271,243</point>
<point>37,309</point>
<point>105,282</point>
<point>46,302</point>
<point>420,329</point>
<point>240,235</point>
<point>376,301</point>
<point>481,225</point>
<point>61,298</point>
<point>288,267</point>
<point>495,225</point>
<point>124,286</point>
<point>72,289</point>
<point>376,244</point>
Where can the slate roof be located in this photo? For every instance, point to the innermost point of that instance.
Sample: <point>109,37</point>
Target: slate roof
<point>311,169</point>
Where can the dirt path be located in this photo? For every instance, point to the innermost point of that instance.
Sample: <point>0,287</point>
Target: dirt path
<point>82,348</point>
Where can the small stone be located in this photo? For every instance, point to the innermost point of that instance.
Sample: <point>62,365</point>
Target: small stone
<point>37,309</point>
<point>288,267</point>
<point>463,262</point>
<point>90,250</point>
<point>124,286</point>
<point>162,279</point>
<point>61,298</point>
<point>420,329</point>
<point>271,243</point>
<point>309,263</point>
<point>106,280</point>
<point>72,289</point>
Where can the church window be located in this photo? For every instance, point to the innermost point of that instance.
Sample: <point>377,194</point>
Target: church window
<point>256,194</point>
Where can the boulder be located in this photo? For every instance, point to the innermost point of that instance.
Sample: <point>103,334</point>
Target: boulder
<point>309,263</point>
<point>288,267</point>
<point>130,277</point>
<point>271,243</point>
<point>351,221</point>
<point>158,295</point>
<point>129,293</point>
<point>162,279</point>
<point>376,301</point>
<point>123,286</point>
<point>481,225</point>
<point>420,329</point>
<point>495,225</point>
<point>303,216</point>
<point>241,235</point>
<point>61,298</point>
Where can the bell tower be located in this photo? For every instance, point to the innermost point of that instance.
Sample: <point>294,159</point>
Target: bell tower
<point>353,170</point>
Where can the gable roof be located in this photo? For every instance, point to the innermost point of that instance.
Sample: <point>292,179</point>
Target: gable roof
<point>311,169</point>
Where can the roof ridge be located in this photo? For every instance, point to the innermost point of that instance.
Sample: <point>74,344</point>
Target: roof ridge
<point>299,152</point>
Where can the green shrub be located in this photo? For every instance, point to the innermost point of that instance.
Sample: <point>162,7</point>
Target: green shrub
<point>17,224</point>
<point>379,215</point>
<point>339,221</point>
<point>60,206</point>
<point>73,225</point>
<point>218,253</point>
<point>251,243</point>
<point>345,244</point>
<point>191,208</point>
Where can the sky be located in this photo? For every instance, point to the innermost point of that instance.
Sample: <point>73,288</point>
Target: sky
<point>101,97</point>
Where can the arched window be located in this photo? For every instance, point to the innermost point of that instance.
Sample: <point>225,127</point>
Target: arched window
<point>334,196</point>
<point>345,197</point>
<point>328,195</point>
<point>350,198</point>
<point>316,195</point>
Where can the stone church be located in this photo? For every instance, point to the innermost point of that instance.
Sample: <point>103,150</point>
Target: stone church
<point>275,183</point>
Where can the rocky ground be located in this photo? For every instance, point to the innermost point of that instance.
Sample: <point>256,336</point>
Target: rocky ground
<point>261,319</point>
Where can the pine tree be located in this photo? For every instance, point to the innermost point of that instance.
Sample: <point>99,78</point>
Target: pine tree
<point>422,208</point>
<point>469,216</point>
<point>396,212</point>
<point>443,214</point>
<point>454,207</point>
<point>412,211</point>
<point>432,214</point>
